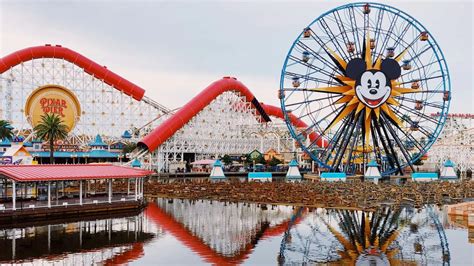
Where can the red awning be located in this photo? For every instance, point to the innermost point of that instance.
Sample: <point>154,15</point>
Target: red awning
<point>49,172</point>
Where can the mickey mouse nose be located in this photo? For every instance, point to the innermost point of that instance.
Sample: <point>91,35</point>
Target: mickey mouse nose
<point>373,91</point>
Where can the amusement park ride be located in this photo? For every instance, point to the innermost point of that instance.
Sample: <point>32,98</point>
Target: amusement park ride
<point>357,85</point>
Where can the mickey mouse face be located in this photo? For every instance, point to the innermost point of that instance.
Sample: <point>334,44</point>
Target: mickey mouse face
<point>373,87</point>
<point>373,90</point>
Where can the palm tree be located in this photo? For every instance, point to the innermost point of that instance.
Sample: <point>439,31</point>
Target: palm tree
<point>6,130</point>
<point>51,128</point>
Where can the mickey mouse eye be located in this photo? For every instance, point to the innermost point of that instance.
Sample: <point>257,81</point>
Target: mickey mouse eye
<point>369,83</point>
<point>377,84</point>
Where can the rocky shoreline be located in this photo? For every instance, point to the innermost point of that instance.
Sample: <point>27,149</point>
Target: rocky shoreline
<point>358,195</point>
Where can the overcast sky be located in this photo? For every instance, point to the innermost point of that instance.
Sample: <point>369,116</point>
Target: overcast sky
<point>175,49</point>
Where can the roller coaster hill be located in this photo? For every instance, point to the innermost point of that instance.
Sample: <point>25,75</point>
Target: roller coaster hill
<point>109,116</point>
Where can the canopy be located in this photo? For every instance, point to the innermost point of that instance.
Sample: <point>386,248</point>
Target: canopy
<point>55,172</point>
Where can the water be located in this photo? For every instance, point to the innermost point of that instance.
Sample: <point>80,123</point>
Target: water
<point>204,232</point>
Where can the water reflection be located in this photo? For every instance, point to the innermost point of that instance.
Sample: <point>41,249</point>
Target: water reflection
<point>387,236</point>
<point>188,232</point>
<point>220,232</point>
<point>82,242</point>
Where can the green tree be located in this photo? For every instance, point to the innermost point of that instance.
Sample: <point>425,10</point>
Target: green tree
<point>6,130</point>
<point>51,128</point>
<point>274,162</point>
<point>260,160</point>
<point>128,148</point>
<point>226,159</point>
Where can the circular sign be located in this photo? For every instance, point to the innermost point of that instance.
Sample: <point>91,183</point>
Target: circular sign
<point>53,99</point>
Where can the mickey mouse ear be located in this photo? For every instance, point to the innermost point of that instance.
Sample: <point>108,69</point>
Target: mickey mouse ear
<point>391,68</point>
<point>355,68</point>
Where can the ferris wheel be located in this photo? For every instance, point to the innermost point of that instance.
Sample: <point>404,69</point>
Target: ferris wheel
<point>364,78</point>
<point>386,236</point>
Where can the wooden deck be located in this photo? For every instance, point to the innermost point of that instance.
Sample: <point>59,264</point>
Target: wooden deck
<point>9,216</point>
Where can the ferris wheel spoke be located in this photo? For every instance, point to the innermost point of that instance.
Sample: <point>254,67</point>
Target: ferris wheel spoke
<point>391,154</point>
<point>423,79</point>
<point>334,140</point>
<point>353,21</point>
<point>398,141</point>
<point>417,113</point>
<point>378,27</point>
<point>354,141</point>
<point>417,55</point>
<point>400,36</point>
<point>312,100</point>
<point>387,35</point>
<point>334,64</point>
<point>332,38</point>
<point>314,111</point>
<point>305,77</point>
<point>340,25</point>
<point>419,68</point>
<point>421,129</point>
<point>313,67</point>
<point>345,142</point>
<point>375,142</point>
<point>316,125</point>
<point>415,101</point>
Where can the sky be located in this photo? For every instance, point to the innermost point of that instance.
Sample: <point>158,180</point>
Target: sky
<point>174,49</point>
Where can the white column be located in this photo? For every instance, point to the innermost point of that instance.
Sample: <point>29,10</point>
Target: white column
<point>136,189</point>
<point>14,194</point>
<point>14,244</point>
<point>49,237</point>
<point>49,194</point>
<point>110,190</point>
<point>128,186</point>
<point>80,192</point>
<point>143,186</point>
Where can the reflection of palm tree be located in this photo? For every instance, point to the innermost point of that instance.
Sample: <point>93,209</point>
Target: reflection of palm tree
<point>367,238</point>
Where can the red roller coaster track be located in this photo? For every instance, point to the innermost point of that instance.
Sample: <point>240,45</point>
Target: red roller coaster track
<point>89,66</point>
<point>165,130</point>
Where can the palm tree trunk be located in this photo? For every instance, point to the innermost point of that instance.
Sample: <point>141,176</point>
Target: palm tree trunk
<point>51,151</point>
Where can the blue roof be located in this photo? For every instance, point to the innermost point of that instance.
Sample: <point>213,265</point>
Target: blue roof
<point>424,175</point>
<point>217,163</point>
<point>136,163</point>
<point>98,142</point>
<point>372,163</point>
<point>126,134</point>
<point>260,175</point>
<point>293,163</point>
<point>448,163</point>
<point>68,154</point>
<point>37,141</point>
<point>333,175</point>
<point>5,142</point>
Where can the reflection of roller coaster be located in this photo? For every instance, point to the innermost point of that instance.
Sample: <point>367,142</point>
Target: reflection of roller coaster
<point>385,236</point>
